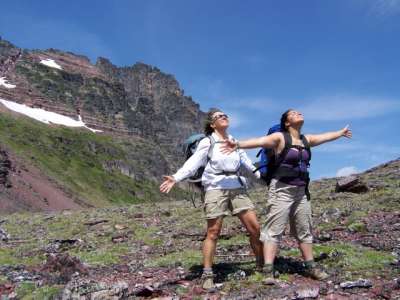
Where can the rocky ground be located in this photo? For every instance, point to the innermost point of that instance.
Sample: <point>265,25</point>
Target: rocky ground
<point>152,251</point>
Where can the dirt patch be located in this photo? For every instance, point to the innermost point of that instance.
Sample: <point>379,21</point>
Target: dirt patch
<point>28,188</point>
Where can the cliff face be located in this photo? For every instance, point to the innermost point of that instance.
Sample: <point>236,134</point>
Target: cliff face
<point>138,101</point>
<point>157,107</point>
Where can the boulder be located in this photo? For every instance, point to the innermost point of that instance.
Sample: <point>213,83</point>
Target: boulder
<point>351,184</point>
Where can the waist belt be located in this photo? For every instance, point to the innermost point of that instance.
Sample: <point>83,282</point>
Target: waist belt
<point>288,172</point>
<point>229,173</point>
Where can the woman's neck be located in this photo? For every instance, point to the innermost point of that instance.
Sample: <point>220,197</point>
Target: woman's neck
<point>221,133</point>
<point>294,132</point>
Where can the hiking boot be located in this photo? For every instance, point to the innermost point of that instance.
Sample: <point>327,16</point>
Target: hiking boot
<point>268,272</point>
<point>259,268</point>
<point>207,281</point>
<point>315,272</point>
<point>259,264</point>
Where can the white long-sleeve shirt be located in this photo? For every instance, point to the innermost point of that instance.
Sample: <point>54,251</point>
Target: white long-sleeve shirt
<point>219,162</point>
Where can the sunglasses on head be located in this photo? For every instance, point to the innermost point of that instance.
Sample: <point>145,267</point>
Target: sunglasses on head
<point>217,117</point>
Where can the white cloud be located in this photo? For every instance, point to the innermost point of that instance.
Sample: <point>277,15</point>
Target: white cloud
<point>346,171</point>
<point>344,107</point>
<point>385,7</point>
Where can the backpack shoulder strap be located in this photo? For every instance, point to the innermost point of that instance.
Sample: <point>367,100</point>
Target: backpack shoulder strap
<point>288,139</point>
<point>306,145</point>
<point>288,143</point>
<point>305,141</point>
<point>211,148</point>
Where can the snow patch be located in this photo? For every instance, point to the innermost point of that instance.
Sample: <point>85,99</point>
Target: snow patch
<point>50,63</point>
<point>346,171</point>
<point>45,116</point>
<point>4,83</point>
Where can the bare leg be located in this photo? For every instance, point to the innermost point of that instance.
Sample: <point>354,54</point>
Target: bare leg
<point>306,250</point>
<point>270,250</point>
<point>249,220</point>
<point>213,230</point>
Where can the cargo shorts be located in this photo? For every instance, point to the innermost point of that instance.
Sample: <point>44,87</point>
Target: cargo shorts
<point>219,203</point>
<point>287,204</point>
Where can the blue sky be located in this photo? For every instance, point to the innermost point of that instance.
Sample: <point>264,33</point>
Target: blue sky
<point>336,61</point>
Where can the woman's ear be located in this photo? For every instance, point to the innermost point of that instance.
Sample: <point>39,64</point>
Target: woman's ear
<point>287,124</point>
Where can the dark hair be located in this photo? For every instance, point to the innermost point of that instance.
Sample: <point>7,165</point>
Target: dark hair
<point>208,130</point>
<point>284,118</point>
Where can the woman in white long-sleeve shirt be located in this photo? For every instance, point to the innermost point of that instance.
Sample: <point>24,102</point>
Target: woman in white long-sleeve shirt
<point>225,189</point>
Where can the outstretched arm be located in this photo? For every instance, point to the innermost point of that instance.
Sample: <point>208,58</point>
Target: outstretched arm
<point>270,141</point>
<point>167,184</point>
<point>318,139</point>
<point>198,159</point>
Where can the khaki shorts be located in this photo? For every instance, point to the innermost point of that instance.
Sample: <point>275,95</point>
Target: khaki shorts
<point>219,203</point>
<point>287,204</point>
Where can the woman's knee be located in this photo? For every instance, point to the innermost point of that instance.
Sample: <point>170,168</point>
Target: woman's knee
<point>254,229</point>
<point>213,233</point>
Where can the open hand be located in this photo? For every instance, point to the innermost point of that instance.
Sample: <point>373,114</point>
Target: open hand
<point>167,184</point>
<point>346,132</point>
<point>228,146</point>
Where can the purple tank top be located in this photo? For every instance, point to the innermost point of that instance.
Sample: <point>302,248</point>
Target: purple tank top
<point>292,160</point>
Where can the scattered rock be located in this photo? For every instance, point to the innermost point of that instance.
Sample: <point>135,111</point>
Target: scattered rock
<point>363,283</point>
<point>4,236</point>
<point>6,289</point>
<point>95,222</point>
<point>20,274</point>
<point>324,237</point>
<point>119,238</point>
<point>331,214</point>
<point>238,275</point>
<point>64,266</point>
<point>61,245</point>
<point>307,292</point>
<point>384,290</point>
<point>119,227</point>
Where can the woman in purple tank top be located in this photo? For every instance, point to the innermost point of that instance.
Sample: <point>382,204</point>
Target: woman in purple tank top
<point>288,199</point>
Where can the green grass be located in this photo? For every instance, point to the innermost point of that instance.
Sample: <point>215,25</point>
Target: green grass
<point>185,259</point>
<point>28,291</point>
<point>15,256</point>
<point>106,255</point>
<point>350,258</point>
<point>238,239</point>
<point>76,159</point>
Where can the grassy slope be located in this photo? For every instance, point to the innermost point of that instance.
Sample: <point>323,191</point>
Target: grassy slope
<point>75,157</point>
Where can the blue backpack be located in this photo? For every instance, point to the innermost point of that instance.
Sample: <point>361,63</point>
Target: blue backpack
<point>266,162</point>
